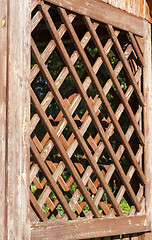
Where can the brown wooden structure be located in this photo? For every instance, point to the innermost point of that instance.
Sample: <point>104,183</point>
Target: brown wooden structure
<point>89,169</point>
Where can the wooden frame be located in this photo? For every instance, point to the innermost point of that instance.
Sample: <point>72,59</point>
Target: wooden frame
<point>148,119</point>
<point>85,229</point>
<point>14,133</point>
<point>98,10</point>
<point>14,119</point>
<point>138,28</point>
<point>3,75</point>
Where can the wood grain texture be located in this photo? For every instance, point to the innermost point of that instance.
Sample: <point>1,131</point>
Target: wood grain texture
<point>100,11</point>
<point>3,74</point>
<point>146,236</point>
<point>148,119</point>
<point>18,121</point>
<point>138,8</point>
<point>85,229</point>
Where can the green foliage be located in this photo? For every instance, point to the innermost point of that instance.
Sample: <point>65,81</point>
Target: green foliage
<point>33,188</point>
<point>124,206</point>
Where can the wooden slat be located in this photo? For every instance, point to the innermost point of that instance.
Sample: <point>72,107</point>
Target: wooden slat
<point>33,216</point>
<point>115,80</point>
<point>63,153</point>
<point>47,100</point>
<point>51,181</point>
<point>81,141</point>
<point>136,48</point>
<point>101,92</point>
<point>101,147</point>
<point>18,120</point>
<point>129,174</point>
<point>3,80</point>
<point>147,88</point>
<point>88,120</point>
<point>119,154</point>
<point>34,3</point>
<point>86,229</point>
<point>75,102</point>
<point>126,64</point>
<point>67,114</point>
<point>37,209</point>
<point>51,46</point>
<point>96,10</point>
<point>35,20</point>
<point>146,236</point>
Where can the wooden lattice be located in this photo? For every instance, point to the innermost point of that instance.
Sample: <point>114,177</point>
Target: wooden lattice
<point>87,140</point>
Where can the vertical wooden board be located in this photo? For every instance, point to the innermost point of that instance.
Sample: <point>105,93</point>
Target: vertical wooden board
<point>3,73</point>
<point>147,88</point>
<point>138,8</point>
<point>142,236</point>
<point>147,236</point>
<point>142,2</point>
<point>18,120</point>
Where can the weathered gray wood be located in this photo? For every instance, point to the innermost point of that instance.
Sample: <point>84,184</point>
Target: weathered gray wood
<point>18,114</point>
<point>85,229</point>
<point>103,12</point>
<point>3,69</point>
<point>148,119</point>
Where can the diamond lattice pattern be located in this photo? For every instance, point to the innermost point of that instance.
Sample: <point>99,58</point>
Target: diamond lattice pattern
<point>87,137</point>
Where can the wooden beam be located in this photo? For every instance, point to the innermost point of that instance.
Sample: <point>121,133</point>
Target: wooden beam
<point>103,12</point>
<point>3,74</point>
<point>147,88</point>
<point>86,228</point>
<point>18,120</point>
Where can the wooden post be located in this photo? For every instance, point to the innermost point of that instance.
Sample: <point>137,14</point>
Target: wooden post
<point>14,119</point>
<point>148,124</point>
<point>3,74</point>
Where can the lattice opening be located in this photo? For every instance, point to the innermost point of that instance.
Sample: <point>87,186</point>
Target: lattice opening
<point>86,118</point>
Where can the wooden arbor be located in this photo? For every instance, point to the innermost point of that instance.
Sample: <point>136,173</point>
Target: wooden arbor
<point>86,161</point>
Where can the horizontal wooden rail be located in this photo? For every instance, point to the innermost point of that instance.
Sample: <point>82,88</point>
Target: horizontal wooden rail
<point>86,228</point>
<point>103,12</point>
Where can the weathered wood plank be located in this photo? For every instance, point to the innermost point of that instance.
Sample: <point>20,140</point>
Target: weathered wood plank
<point>136,48</point>
<point>146,236</point>
<point>100,11</point>
<point>85,229</point>
<point>3,75</point>
<point>141,236</point>
<point>147,88</point>
<point>18,120</point>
